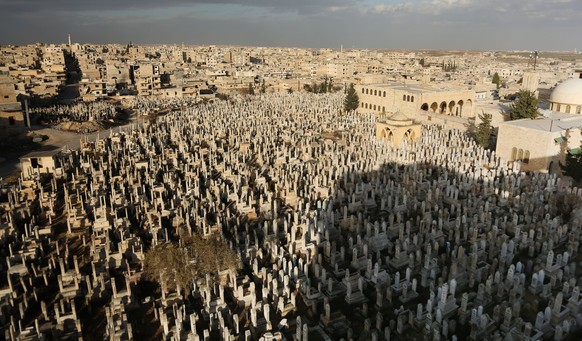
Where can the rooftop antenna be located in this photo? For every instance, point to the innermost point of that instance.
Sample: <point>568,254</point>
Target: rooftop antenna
<point>534,55</point>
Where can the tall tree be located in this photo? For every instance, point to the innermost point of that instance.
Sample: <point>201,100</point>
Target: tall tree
<point>496,80</point>
<point>524,106</point>
<point>471,127</point>
<point>573,163</point>
<point>263,87</point>
<point>251,89</point>
<point>572,166</point>
<point>323,86</point>
<point>484,130</point>
<point>352,101</point>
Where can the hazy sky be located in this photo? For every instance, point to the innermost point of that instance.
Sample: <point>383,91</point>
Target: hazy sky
<point>417,24</point>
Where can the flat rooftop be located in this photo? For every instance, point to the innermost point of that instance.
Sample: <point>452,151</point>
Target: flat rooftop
<point>553,122</point>
<point>41,153</point>
<point>416,88</point>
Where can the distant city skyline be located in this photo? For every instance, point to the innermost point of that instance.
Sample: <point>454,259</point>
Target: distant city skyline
<point>391,24</point>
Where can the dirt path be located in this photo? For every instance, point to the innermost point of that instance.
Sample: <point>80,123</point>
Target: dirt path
<point>57,139</point>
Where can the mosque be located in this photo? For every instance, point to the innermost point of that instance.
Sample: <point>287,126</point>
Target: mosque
<point>541,144</point>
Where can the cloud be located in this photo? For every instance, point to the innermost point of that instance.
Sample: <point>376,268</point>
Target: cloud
<point>481,10</point>
<point>301,6</point>
<point>442,24</point>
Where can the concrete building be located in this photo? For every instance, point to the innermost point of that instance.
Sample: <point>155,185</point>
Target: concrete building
<point>40,162</point>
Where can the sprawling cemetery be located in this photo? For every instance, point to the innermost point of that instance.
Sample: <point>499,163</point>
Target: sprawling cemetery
<point>337,234</point>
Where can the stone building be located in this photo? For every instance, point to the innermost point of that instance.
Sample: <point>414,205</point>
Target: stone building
<point>397,129</point>
<point>541,144</point>
<point>445,100</point>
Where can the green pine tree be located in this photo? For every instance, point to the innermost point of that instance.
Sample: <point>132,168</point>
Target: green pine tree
<point>352,101</point>
<point>573,166</point>
<point>471,128</point>
<point>496,80</point>
<point>573,163</point>
<point>484,130</point>
<point>323,86</point>
<point>524,106</point>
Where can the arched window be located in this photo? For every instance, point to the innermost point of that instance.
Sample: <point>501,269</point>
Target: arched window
<point>404,97</point>
<point>374,106</point>
<point>363,90</point>
<point>578,109</point>
<point>375,92</point>
<point>443,107</point>
<point>388,135</point>
<point>526,157</point>
<point>384,93</point>
<point>567,109</point>
<point>412,99</point>
<point>384,109</point>
<point>520,155</point>
<point>513,154</point>
<point>558,107</point>
<point>408,98</point>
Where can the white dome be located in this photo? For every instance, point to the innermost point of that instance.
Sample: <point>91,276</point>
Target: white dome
<point>568,92</point>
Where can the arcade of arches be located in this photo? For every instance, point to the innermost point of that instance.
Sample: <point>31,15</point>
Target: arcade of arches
<point>459,108</point>
<point>412,98</point>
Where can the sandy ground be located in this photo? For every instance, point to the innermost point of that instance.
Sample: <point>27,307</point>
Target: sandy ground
<point>57,139</point>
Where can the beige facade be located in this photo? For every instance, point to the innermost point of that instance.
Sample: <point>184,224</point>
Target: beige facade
<point>398,129</point>
<point>8,90</point>
<point>531,82</point>
<point>411,98</point>
<point>38,163</point>
<point>10,116</point>
<point>540,145</point>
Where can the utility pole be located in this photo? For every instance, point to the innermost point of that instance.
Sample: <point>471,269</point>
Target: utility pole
<point>534,55</point>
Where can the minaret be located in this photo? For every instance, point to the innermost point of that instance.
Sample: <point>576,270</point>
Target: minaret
<point>69,40</point>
